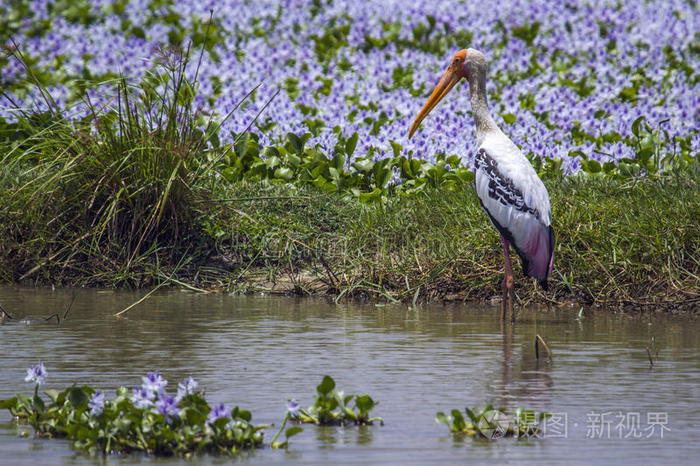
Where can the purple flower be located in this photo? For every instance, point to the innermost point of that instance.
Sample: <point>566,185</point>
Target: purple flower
<point>142,398</point>
<point>218,412</point>
<point>153,382</point>
<point>96,403</point>
<point>186,387</point>
<point>37,374</point>
<point>167,406</point>
<point>293,408</point>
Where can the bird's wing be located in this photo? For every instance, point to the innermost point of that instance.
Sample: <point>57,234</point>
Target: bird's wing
<point>517,203</point>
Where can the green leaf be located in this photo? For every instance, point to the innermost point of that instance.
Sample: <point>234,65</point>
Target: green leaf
<point>326,385</point>
<point>294,144</point>
<point>471,415</point>
<point>375,195</point>
<point>509,118</point>
<point>458,423</point>
<point>38,403</point>
<point>241,146</point>
<point>284,173</point>
<point>364,403</point>
<point>338,161</point>
<point>364,165</point>
<point>292,431</point>
<point>8,403</point>
<point>397,148</point>
<point>78,397</point>
<point>351,144</point>
<point>442,418</point>
<point>636,124</point>
<point>592,166</point>
<point>383,176</point>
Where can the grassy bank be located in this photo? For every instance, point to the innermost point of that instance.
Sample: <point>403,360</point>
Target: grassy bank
<point>629,244</point>
<point>632,244</point>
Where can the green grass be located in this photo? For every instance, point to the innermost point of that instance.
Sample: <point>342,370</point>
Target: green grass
<point>621,243</point>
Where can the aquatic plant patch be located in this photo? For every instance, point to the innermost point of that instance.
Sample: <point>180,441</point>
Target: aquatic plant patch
<point>332,407</point>
<point>493,423</point>
<point>146,419</point>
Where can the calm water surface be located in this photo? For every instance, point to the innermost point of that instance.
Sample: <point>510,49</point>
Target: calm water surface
<point>255,352</point>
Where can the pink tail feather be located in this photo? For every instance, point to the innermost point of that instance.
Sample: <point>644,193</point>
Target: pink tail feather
<point>537,253</point>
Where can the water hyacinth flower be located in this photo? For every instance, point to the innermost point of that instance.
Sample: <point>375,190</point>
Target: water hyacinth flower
<point>167,405</point>
<point>96,403</point>
<point>142,398</point>
<point>37,374</point>
<point>153,382</point>
<point>218,412</point>
<point>186,387</point>
<point>293,408</point>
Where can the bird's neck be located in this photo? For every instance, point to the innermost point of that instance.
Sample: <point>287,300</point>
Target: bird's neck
<point>480,108</point>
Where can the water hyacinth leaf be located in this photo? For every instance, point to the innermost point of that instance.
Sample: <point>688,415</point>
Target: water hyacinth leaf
<point>292,431</point>
<point>364,403</point>
<point>609,167</point>
<point>364,165</point>
<point>509,118</point>
<point>326,385</point>
<point>397,148</point>
<point>270,151</point>
<point>241,145</point>
<point>471,415</point>
<point>351,144</point>
<point>9,403</point>
<point>373,196</point>
<point>578,153</point>
<point>272,162</point>
<point>458,422</point>
<point>242,414</point>
<point>78,397</point>
<point>636,125</point>
<point>454,161</point>
<point>52,394</point>
<point>338,161</point>
<point>284,173</point>
<point>442,418</point>
<point>382,175</point>
<point>38,404</point>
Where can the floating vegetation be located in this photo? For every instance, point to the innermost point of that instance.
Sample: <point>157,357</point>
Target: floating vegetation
<point>493,423</point>
<point>332,407</point>
<point>146,419</point>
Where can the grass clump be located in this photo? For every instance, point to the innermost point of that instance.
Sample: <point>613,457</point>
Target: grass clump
<point>109,193</point>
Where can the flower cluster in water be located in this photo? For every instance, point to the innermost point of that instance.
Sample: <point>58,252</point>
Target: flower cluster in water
<point>146,419</point>
<point>149,419</point>
<point>332,407</point>
<point>493,423</point>
<point>565,78</point>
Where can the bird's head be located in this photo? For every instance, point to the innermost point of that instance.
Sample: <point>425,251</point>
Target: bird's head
<point>461,66</point>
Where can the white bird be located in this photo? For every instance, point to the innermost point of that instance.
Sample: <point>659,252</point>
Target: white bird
<point>508,188</point>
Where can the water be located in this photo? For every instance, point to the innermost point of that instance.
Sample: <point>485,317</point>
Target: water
<point>255,352</point>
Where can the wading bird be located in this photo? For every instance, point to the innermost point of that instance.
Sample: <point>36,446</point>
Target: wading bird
<point>508,188</point>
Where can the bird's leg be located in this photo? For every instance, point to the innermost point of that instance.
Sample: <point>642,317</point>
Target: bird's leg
<point>507,283</point>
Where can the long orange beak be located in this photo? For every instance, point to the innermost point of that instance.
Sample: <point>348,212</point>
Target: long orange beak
<point>447,82</point>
